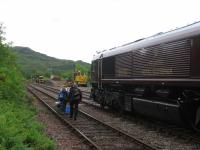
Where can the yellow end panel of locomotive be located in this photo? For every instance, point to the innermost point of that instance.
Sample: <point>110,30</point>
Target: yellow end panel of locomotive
<point>81,80</point>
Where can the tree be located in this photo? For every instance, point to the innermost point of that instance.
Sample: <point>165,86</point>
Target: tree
<point>68,75</point>
<point>81,68</point>
<point>2,33</point>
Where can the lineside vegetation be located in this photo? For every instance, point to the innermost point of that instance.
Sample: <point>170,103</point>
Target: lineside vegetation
<point>19,129</point>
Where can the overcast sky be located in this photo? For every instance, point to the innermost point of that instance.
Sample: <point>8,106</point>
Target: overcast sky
<point>76,29</point>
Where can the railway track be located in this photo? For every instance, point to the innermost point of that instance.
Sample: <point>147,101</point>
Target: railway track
<point>86,93</point>
<point>56,129</point>
<point>98,134</point>
<point>162,135</point>
<point>48,103</point>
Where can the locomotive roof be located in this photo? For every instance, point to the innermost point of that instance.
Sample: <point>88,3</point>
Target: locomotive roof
<point>180,33</point>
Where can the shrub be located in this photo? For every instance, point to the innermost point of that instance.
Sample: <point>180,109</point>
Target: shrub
<point>18,126</point>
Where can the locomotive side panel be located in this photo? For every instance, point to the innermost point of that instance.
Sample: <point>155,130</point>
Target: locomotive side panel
<point>94,71</point>
<point>163,61</point>
<point>124,65</point>
<point>108,69</point>
<point>195,58</point>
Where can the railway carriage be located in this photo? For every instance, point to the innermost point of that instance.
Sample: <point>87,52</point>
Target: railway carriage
<point>158,76</point>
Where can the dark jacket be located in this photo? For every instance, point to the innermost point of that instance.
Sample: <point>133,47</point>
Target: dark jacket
<point>75,94</point>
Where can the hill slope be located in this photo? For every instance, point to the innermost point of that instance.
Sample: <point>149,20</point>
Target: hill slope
<point>32,62</point>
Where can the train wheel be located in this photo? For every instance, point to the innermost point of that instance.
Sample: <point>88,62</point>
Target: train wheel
<point>102,105</point>
<point>196,122</point>
<point>99,97</point>
<point>191,109</point>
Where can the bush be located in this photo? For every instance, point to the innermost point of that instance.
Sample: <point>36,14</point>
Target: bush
<point>18,126</point>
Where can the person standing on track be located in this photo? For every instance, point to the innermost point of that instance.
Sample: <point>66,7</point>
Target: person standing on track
<point>75,97</point>
<point>62,97</point>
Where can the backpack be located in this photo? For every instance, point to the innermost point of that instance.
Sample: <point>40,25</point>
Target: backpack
<point>61,95</point>
<point>76,94</point>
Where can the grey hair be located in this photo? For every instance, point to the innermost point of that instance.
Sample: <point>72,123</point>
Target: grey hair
<point>75,85</point>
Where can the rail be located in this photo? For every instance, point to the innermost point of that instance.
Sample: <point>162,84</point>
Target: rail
<point>107,131</point>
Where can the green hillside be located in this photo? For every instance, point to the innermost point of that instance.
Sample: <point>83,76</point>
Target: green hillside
<point>32,63</point>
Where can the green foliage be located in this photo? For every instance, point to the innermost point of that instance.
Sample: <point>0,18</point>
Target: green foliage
<point>2,38</point>
<point>19,129</point>
<point>81,68</point>
<point>68,75</point>
<point>33,63</point>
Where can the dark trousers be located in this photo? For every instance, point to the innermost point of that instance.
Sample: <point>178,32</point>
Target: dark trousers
<point>63,105</point>
<point>74,109</point>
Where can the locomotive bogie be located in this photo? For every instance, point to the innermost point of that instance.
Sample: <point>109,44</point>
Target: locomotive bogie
<point>173,104</point>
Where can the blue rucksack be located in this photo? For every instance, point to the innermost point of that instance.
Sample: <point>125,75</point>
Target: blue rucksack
<point>62,95</point>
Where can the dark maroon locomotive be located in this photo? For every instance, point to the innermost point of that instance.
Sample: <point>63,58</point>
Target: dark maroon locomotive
<point>157,76</point>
